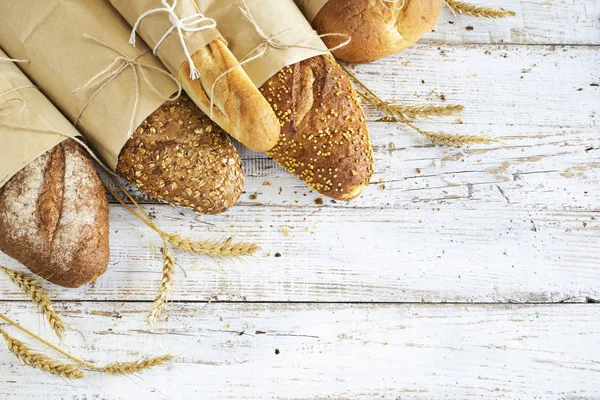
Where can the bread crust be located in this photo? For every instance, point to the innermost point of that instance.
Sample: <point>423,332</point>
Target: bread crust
<point>239,108</point>
<point>179,156</point>
<point>375,30</point>
<point>54,217</point>
<point>324,137</point>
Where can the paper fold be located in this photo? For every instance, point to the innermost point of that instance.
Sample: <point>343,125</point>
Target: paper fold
<point>51,34</point>
<point>26,116</point>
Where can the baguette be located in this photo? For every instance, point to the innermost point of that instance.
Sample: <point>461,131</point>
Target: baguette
<point>179,156</point>
<point>324,138</point>
<point>239,108</point>
<point>54,217</point>
<point>377,29</point>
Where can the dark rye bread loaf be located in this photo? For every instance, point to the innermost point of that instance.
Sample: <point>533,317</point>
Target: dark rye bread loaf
<point>377,29</point>
<point>324,138</point>
<point>178,155</point>
<point>54,217</point>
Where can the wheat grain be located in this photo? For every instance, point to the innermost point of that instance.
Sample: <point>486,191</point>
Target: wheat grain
<point>480,12</point>
<point>32,287</point>
<point>40,361</point>
<point>211,248</point>
<point>413,112</point>
<point>448,139</point>
<point>159,303</point>
<point>122,368</point>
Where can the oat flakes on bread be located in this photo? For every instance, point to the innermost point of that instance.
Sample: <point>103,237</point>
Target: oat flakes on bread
<point>54,217</point>
<point>178,155</point>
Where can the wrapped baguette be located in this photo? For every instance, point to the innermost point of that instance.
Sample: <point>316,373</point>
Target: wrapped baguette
<point>118,97</point>
<point>324,138</point>
<point>378,27</point>
<point>237,106</point>
<point>53,210</point>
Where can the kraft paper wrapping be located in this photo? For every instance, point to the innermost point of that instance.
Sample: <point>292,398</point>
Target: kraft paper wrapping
<point>51,33</point>
<point>293,39</point>
<point>33,114</point>
<point>153,27</point>
<point>310,8</point>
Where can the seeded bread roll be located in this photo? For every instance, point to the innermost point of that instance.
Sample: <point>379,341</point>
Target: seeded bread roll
<point>54,217</point>
<point>377,29</point>
<point>324,138</point>
<point>178,155</point>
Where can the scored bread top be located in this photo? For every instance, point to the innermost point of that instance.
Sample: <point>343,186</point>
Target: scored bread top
<point>178,155</point>
<point>324,138</point>
<point>376,31</point>
<point>54,217</point>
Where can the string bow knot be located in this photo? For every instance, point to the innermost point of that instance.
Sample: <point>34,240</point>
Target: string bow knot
<point>192,23</point>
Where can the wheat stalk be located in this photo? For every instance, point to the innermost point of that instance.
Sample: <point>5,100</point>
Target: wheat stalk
<point>395,113</point>
<point>123,368</point>
<point>448,139</point>
<point>480,12</point>
<point>159,303</point>
<point>214,249</point>
<point>413,112</point>
<point>117,368</point>
<point>40,361</point>
<point>39,297</point>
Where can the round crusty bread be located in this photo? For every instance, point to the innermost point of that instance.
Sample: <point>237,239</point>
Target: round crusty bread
<point>376,31</point>
<point>178,155</point>
<point>324,137</point>
<point>54,217</point>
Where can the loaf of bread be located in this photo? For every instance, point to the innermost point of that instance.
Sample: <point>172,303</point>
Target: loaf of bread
<point>54,217</point>
<point>324,138</point>
<point>178,155</point>
<point>238,106</point>
<point>377,28</point>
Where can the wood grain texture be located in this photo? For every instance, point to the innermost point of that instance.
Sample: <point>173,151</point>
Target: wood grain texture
<point>300,351</point>
<point>369,255</point>
<point>536,22</point>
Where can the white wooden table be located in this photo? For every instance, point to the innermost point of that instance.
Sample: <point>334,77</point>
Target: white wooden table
<point>459,273</point>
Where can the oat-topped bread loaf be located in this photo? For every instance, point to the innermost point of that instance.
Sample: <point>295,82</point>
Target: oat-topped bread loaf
<point>180,156</point>
<point>378,28</point>
<point>324,138</point>
<point>54,217</point>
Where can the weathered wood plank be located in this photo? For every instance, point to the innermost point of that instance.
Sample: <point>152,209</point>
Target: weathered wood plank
<point>345,254</point>
<point>296,351</point>
<point>536,22</point>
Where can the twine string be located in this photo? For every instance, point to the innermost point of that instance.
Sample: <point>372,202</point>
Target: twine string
<point>5,105</point>
<point>121,63</point>
<point>273,41</point>
<point>192,23</point>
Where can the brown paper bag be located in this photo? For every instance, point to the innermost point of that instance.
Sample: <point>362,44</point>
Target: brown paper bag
<point>272,35</point>
<point>310,8</point>
<point>63,41</point>
<point>29,124</point>
<point>152,28</point>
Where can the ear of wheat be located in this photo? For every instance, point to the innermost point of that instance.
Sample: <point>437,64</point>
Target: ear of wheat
<point>32,287</point>
<point>40,361</point>
<point>160,302</point>
<point>123,368</point>
<point>414,112</point>
<point>480,12</point>
<point>394,113</point>
<point>214,249</point>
